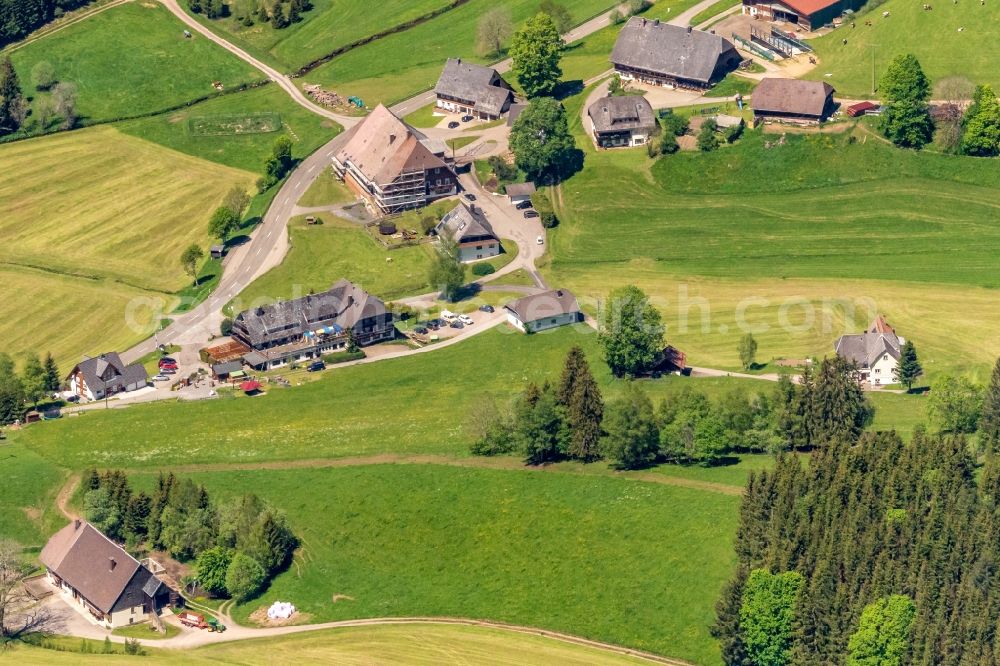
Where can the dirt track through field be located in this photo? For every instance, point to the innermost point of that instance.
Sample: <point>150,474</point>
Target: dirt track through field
<point>429,459</point>
<point>65,493</point>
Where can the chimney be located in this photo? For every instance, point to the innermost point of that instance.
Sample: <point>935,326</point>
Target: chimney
<point>392,138</point>
<point>112,563</point>
<point>689,30</point>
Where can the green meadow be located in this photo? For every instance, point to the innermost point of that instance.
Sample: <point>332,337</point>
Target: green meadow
<point>130,60</point>
<point>933,36</point>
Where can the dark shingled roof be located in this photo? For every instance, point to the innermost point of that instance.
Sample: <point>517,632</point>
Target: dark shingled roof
<point>466,224</point>
<point>520,189</point>
<point>108,371</point>
<point>620,114</point>
<point>82,556</point>
<point>552,303</point>
<point>670,50</point>
<point>791,96</point>
<point>866,348</point>
<point>227,367</point>
<point>513,112</point>
<point>482,86</point>
<point>345,304</point>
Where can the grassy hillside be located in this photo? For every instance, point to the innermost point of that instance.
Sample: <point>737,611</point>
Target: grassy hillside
<point>933,36</point>
<point>243,151</point>
<point>817,231</point>
<point>401,65</point>
<point>504,546</point>
<point>132,59</point>
<point>98,202</point>
<point>27,497</point>
<point>410,645</point>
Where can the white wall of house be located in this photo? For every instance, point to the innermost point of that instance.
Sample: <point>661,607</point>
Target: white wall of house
<point>542,324</point>
<point>883,371</point>
<point>483,250</point>
<point>128,616</point>
<point>79,387</point>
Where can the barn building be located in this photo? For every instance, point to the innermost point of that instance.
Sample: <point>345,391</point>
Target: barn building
<point>806,14</point>
<point>792,100</point>
<point>472,89</point>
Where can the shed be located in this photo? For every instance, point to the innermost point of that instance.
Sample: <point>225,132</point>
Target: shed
<point>863,109</point>
<point>792,100</point>
<point>217,251</point>
<point>223,371</point>
<point>519,192</point>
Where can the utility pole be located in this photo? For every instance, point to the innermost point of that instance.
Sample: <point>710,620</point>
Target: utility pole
<point>873,68</point>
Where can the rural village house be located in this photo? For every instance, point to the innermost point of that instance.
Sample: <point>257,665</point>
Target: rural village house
<point>96,574</point>
<point>792,101</point>
<point>104,376</point>
<point>392,165</point>
<point>621,121</point>
<point>876,352</point>
<point>662,54</point>
<point>468,227</point>
<point>313,325</point>
<point>467,88</point>
<point>806,14</point>
<point>543,311</point>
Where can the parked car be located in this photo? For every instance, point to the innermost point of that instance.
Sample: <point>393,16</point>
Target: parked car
<point>161,378</point>
<point>465,319</point>
<point>167,359</point>
<point>466,119</point>
<point>316,366</point>
<point>486,308</point>
<point>73,398</point>
<point>540,240</point>
<point>420,330</point>
<point>470,196</point>
<point>456,324</point>
<point>434,324</point>
<point>448,315</point>
<point>521,205</point>
<point>453,124</point>
<point>168,371</point>
<point>528,214</point>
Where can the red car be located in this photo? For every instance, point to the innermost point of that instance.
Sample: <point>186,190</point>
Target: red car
<point>168,366</point>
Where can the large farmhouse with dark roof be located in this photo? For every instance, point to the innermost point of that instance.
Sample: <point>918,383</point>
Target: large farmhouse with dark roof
<point>313,325</point>
<point>96,574</point>
<point>472,89</point>
<point>627,120</point>
<point>876,352</point>
<point>662,54</point>
<point>792,100</point>
<point>105,375</point>
<point>391,165</point>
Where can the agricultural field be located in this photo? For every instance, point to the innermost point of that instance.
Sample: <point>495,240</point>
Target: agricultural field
<point>933,36</point>
<point>241,150</point>
<point>102,218</point>
<point>131,60</point>
<point>27,497</point>
<point>391,69</point>
<point>409,645</point>
<point>322,254</point>
<point>329,26</point>
<point>714,235</point>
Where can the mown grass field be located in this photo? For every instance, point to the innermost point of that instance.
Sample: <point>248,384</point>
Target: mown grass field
<point>411,645</point>
<point>327,27</point>
<point>629,563</point>
<point>398,66</point>
<point>829,227</point>
<point>98,202</point>
<point>132,59</point>
<point>326,190</point>
<point>322,254</point>
<point>933,36</point>
<point>27,496</point>
<point>249,151</point>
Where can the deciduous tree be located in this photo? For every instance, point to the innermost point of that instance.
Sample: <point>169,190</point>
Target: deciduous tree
<point>560,16</point>
<point>541,141</point>
<point>43,75</point>
<point>245,577</point>
<point>223,222</point>
<point>64,100</point>
<point>535,50</point>
<point>748,351</point>
<point>237,199</point>
<point>981,135</point>
<point>883,635</point>
<point>33,378</point>
<point>211,568</point>
<point>955,404</point>
<point>447,272</point>
<point>767,616</point>
<point>493,30</point>
<point>633,438</point>
<point>540,426</point>
<point>631,332</point>
<point>190,258</point>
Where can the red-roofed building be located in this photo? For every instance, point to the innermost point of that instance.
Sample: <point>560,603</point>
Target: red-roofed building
<point>807,14</point>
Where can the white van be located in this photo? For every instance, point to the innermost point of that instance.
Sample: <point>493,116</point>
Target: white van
<point>448,316</point>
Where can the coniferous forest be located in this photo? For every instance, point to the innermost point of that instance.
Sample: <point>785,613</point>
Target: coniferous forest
<point>875,551</point>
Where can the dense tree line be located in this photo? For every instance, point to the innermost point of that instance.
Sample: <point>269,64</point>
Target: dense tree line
<point>570,420</point>
<point>237,545</point>
<point>896,546</point>
<point>277,14</point>
<point>20,17</point>
<point>18,391</point>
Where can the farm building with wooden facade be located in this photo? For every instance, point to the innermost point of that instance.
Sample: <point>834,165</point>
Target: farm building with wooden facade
<point>806,14</point>
<point>472,89</point>
<point>792,100</point>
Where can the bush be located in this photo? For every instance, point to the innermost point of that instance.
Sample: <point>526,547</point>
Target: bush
<point>674,124</point>
<point>707,139</point>
<point>245,577</point>
<point>343,357</point>
<point>668,144</point>
<point>546,214</point>
<point>226,328</point>
<point>427,224</point>
<point>731,134</point>
<point>501,169</point>
<point>483,269</point>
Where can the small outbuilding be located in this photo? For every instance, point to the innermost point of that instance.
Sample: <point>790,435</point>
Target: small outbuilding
<point>520,192</point>
<point>540,312</point>
<point>217,251</point>
<point>621,121</point>
<point>863,109</point>
<point>792,101</point>
<point>223,371</point>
